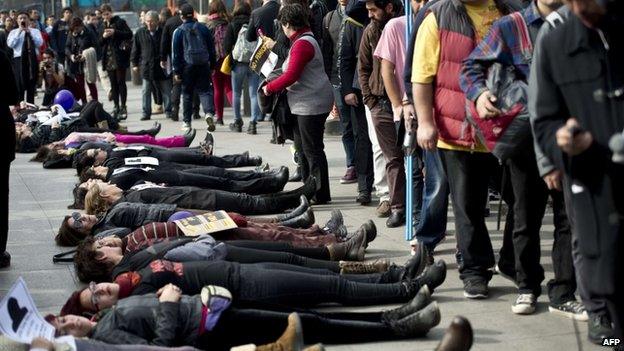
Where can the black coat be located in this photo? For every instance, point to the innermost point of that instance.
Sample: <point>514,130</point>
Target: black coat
<point>121,42</point>
<point>167,36</point>
<point>75,45</point>
<point>133,215</point>
<point>8,97</point>
<point>262,18</point>
<point>146,53</point>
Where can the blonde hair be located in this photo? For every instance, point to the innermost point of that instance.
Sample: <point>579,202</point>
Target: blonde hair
<point>95,203</point>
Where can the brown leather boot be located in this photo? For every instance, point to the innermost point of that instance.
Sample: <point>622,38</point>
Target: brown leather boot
<point>377,266</point>
<point>291,340</point>
<point>350,250</point>
<point>458,336</point>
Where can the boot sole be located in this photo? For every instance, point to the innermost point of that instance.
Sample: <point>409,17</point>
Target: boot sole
<point>582,317</point>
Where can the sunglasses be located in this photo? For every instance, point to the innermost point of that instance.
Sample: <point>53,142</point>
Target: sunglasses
<point>77,217</point>
<point>94,298</point>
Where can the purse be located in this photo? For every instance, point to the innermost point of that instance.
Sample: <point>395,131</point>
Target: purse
<point>226,66</point>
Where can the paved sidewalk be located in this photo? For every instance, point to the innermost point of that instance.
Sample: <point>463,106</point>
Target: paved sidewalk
<point>39,200</point>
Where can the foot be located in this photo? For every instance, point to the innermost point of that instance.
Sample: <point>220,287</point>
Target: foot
<point>236,126</point>
<point>524,304</point>
<point>370,229</point>
<point>252,128</point>
<point>123,113</point>
<point>396,219</point>
<point>433,276</point>
<point>291,339</point>
<point>145,118</point>
<point>419,323</point>
<point>189,136</point>
<point>158,109</point>
<point>254,160</point>
<point>208,144</point>
<point>209,117</point>
<point>186,126</point>
<point>5,260</point>
<point>415,265</point>
<point>281,176</point>
<point>304,220</point>
<point>476,288</point>
<point>571,309</point>
<point>350,250</point>
<point>304,204</point>
<point>296,177</point>
<point>506,273</point>
<point>155,129</point>
<point>350,176</point>
<point>599,327</point>
<point>363,198</point>
<point>458,336</point>
<point>335,221</point>
<point>383,209</point>
<point>422,299</point>
<point>196,115</point>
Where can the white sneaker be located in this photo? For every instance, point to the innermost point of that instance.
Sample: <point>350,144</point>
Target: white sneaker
<point>186,126</point>
<point>525,304</point>
<point>209,117</point>
<point>571,309</point>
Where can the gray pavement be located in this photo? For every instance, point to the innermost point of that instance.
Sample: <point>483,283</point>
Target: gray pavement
<point>39,199</point>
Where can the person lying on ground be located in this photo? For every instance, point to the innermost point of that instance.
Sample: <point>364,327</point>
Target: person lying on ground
<point>206,320</point>
<point>102,196</point>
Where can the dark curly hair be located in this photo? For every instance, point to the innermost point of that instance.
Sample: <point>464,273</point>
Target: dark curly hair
<point>294,15</point>
<point>68,235</point>
<point>88,267</point>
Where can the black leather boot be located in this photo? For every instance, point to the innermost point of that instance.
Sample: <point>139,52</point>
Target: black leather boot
<point>422,299</point>
<point>304,220</point>
<point>458,336</point>
<point>419,323</point>
<point>304,204</point>
<point>296,176</point>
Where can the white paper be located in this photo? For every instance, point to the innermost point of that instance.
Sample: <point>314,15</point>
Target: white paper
<point>135,148</point>
<point>19,318</point>
<point>133,161</point>
<point>269,64</point>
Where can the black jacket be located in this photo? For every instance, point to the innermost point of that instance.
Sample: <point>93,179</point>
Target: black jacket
<point>58,37</point>
<point>121,42</point>
<point>146,53</point>
<point>133,215</point>
<point>351,34</point>
<point>262,18</point>
<point>231,35</point>
<point>45,134</point>
<point>132,262</point>
<point>167,36</point>
<point>75,45</point>
<point>332,23</point>
<point>143,320</point>
<point>8,97</point>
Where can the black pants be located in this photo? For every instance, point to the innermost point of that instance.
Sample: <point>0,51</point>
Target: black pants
<point>4,203</point>
<point>201,159</point>
<point>308,134</point>
<point>119,90</point>
<point>363,148</point>
<point>468,175</point>
<point>530,198</point>
<point>224,172</point>
<point>281,253</point>
<point>25,85</point>
<point>263,326</point>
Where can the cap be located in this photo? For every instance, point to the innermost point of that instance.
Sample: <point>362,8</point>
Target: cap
<point>187,11</point>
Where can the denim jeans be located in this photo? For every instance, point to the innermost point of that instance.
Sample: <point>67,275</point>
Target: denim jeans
<point>433,216</point>
<point>196,79</point>
<point>164,86</point>
<point>239,73</point>
<point>348,138</point>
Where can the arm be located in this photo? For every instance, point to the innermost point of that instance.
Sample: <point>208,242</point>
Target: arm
<point>165,46</point>
<point>300,54</point>
<point>166,323</point>
<point>392,85</point>
<point>177,53</point>
<point>135,55</point>
<point>53,35</point>
<point>37,38</point>
<point>365,69</point>
<point>251,34</point>
<point>328,45</point>
<point>14,38</point>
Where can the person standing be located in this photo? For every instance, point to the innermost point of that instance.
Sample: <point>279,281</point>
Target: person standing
<point>375,97</point>
<point>116,42</point>
<point>25,42</point>
<point>8,97</point>
<point>194,58</point>
<point>262,20</point>
<point>218,19</point>
<point>35,17</point>
<point>79,40</point>
<point>146,58</point>
<point>59,33</point>
<point>309,96</point>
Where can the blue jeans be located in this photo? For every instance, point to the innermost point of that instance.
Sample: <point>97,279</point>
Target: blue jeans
<point>433,216</point>
<point>348,140</point>
<point>197,79</point>
<point>239,73</point>
<point>164,86</point>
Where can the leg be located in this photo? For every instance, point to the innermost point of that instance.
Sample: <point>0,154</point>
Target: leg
<point>313,237</point>
<point>561,289</point>
<point>188,88</point>
<point>123,89</point>
<point>348,140</point>
<point>146,91</point>
<point>93,91</point>
<point>30,91</point>
<point>253,255</point>
<point>238,77</point>
<point>80,88</point>
<point>311,129</point>
<point>217,83</point>
<point>168,142</point>
<point>112,77</point>
<point>204,89</point>
<point>363,152</point>
<point>176,91</point>
<point>381,180</point>
<point>164,87</point>
<point>158,99</point>
<point>195,157</point>
<point>253,81</point>
<point>432,226</point>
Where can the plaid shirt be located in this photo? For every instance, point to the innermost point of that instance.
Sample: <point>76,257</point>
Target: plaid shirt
<point>502,45</point>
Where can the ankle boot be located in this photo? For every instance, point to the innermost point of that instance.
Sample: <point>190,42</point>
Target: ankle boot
<point>377,266</point>
<point>154,130</point>
<point>304,204</point>
<point>458,336</point>
<point>252,128</point>
<point>433,276</point>
<point>350,250</point>
<point>296,177</point>
<point>291,340</point>
<point>419,323</point>
<point>302,221</point>
<point>422,299</point>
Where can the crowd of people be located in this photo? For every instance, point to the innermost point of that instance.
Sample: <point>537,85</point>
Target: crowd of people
<point>489,98</point>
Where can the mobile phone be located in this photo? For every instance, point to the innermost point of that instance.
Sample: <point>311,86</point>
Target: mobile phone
<point>260,32</point>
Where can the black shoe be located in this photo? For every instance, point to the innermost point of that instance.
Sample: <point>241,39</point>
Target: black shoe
<point>419,323</point>
<point>458,336</point>
<point>123,113</point>
<point>433,276</point>
<point>371,231</point>
<point>196,115</point>
<point>237,126</point>
<point>255,160</point>
<point>5,260</point>
<point>414,266</point>
<point>208,143</point>
<point>476,288</point>
<point>145,118</point>
<point>175,117</point>
<point>302,221</point>
<point>363,198</point>
<point>304,204</point>
<point>309,188</point>
<point>189,136</point>
<point>219,121</point>
<point>396,219</point>
<point>422,299</point>
<point>296,177</point>
<point>282,176</point>
<point>599,328</point>
<point>335,221</point>
<point>155,129</point>
<point>252,128</point>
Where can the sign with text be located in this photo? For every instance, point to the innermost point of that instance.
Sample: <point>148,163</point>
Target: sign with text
<point>209,222</point>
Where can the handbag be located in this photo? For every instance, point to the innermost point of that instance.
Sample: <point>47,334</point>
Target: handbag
<point>226,66</point>
<point>510,132</point>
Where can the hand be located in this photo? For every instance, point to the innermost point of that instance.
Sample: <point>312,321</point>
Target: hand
<point>427,136</point>
<point>270,43</point>
<point>573,144</point>
<point>163,64</point>
<point>41,343</point>
<point>409,115</point>
<point>553,180</point>
<point>485,106</point>
<point>169,293</point>
<point>108,32</point>
<point>351,100</point>
<point>109,137</point>
<point>397,112</point>
<point>56,125</point>
<point>177,78</point>
<point>135,69</point>
<point>265,90</point>
<point>73,58</point>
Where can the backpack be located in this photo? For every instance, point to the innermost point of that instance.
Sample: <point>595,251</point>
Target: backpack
<point>508,134</point>
<point>195,48</point>
<point>243,49</point>
<point>218,35</point>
